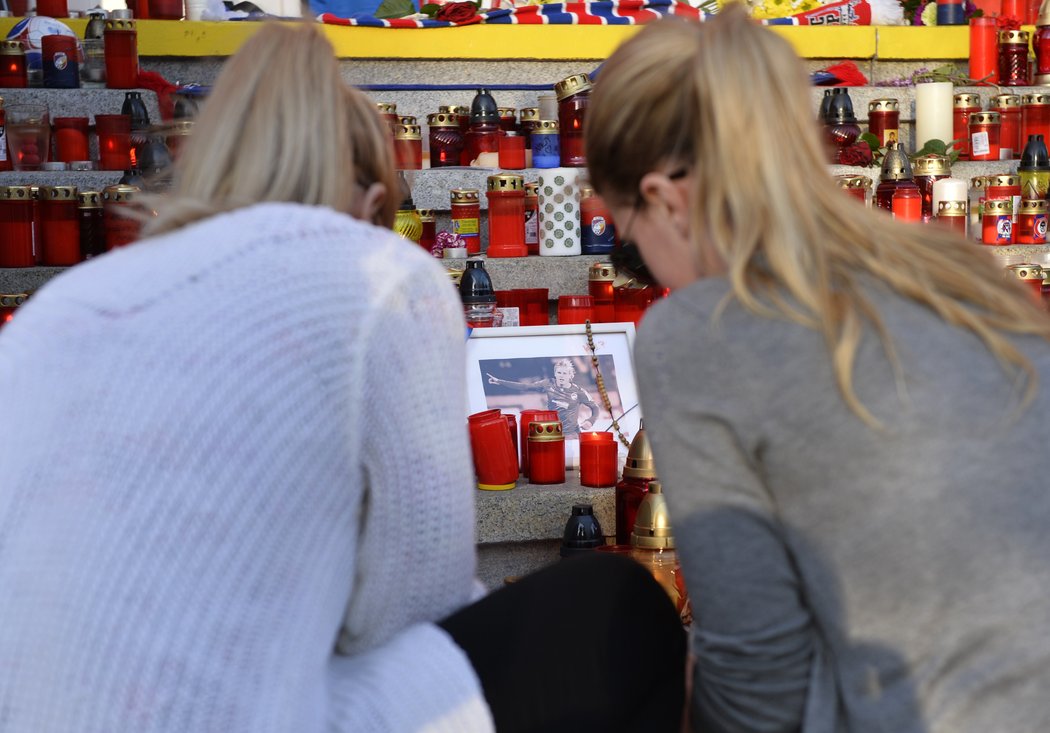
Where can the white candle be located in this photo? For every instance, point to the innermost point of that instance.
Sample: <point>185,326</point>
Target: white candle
<point>949,189</point>
<point>933,112</point>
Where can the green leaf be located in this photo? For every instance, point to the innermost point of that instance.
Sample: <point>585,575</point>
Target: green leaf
<point>430,9</point>
<point>872,140</point>
<point>977,13</point>
<point>937,147</point>
<point>395,9</point>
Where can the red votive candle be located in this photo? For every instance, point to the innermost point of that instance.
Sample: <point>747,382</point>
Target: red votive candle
<point>512,425</point>
<point>984,50</point>
<point>495,460</point>
<point>575,308</point>
<point>71,139</point>
<point>122,54</point>
<point>114,142</point>
<point>527,418</point>
<point>597,459</point>
<point>13,65</point>
<point>60,226</point>
<point>16,227</point>
<point>546,453</point>
<point>52,8</point>
<point>506,196</point>
<point>535,307</point>
<point>120,230</point>
<point>512,151</point>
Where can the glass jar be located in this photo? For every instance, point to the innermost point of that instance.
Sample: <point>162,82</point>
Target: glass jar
<point>884,120</point>
<point>13,65</point>
<point>532,217</point>
<point>546,145</point>
<point>984,136</point>
<point>508,121</point>
<point>466,217</point>
<point>92,230</point>
<point>461,114</point>
<point>122,54</point>
<point>71,139</point>
<point>963,105</point>
<point>114,142</point>
<point>1041,46</point>
<point>546,453</point>
<point>408,147</point>
<point>60,227</point>
<point>597,233</point>
<point>388,111</point>
<point>952,214</point>
<point>573,95</point>
<point>1013,58</point>
<point>530,117</point>
<point>928,170</point>
<point>506,196</point>
<point>16,227</point>
<point>1009,108</point>
<point>446,140</point>
<point>1031,223</point>
<point>997,222</point>
<point>907,204</point>
<point>121,230</point>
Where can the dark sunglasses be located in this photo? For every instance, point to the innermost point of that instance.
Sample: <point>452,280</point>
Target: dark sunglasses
<point>627,259</point>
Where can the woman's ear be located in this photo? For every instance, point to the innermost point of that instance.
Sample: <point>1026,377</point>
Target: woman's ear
<point>667,196</point>
<point>371,203</point>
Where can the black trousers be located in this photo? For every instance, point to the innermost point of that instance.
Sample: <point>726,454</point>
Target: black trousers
<point>590,644</point>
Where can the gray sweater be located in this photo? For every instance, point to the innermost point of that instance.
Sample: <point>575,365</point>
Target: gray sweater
<point>845,579</point>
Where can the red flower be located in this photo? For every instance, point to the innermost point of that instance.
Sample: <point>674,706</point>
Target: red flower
<point>457,12</point>
<point>856,154</point>
<point>1008,23</point>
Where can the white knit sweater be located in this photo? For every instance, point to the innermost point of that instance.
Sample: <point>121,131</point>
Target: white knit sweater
<point>227,451</point>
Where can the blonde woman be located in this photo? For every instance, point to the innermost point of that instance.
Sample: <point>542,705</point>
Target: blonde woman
<point>848,413</point>
<point>213,484</point>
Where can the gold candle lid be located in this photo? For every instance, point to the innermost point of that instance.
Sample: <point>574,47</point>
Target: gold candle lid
<point>11,48</point>
<point>465,195</point>
<point>601,272</point>
<point>58,193</point>
<point>884,105</point>
<point>426,215</point>
<point>386,108</point>
<point>407,120</point>
<point>454,109</point>
<point>506,182</point>
<point>850,181</point>
<point>16,193</point>
<point>120,24</point>
<point>1035,99</point>
<point>545,432</point>
<point>506,111</point>
<point>984,118</point>
<point>532,188</point>
<point>1004,101</point>
<point>979,182</point>
<point>1026,271</point>
<point>119,193</point>
<point>932,165</point>
<point>1003,180</point>
<point>179,127</point>
<point>652,524</point>
<point>90,200</point>
<point>964,100</point>
<point>408,132</point>
<point>1033,206</point>
<point>530,114</point>
<point>999,207</point>
<point>442,119</point>
<point>1013,38</point>
<point>546,127</point>
<point>13,300</point>
<point>573,85</point>
<point>951,208</point>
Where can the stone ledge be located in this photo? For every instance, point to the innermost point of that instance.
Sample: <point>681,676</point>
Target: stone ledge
<point>529,513</point>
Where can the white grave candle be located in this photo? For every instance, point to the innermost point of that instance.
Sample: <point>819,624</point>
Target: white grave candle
<point>933,112</point>
<point>949,189</point>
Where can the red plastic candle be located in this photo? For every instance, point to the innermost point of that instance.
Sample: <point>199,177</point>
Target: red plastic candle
<point>408,147</point>
<point>60,226</point>
<point>512,426</point>
<point>165,9</point>
<point>388,111</point>
<point>92,228</point>
<point>466,217</point>
<point>907,204</point>
<point>884,120</point>
<point>114,142</point>
<point>536,307</point>
<point>1035,115</point>
<point>1041,47</point>
<point>446,140</point>
<point>963,105</point>
<point>506,196</point>
<point>527,417</point>
<point>482,137</point>
<point>984,56</point>
<point>71,139</point>
<point>1006,186</point>
<point>13,65</point>
<point>630,304</point>
<point>1009,108</point>
<point>120,230</point>
<point>985,131</point>
<point>532,218</point>
<point>573,96</point>
<point>1031,223</point>
<point>952,215</point>
<point>508,119</point>
<point>597,459</point>
<point>511,151</point>
<point>495,460</point>
<point>575,308</point>
<point>546,453</point>
<point>122,54</point>
<point>600,278</point>
<point>997,224</point>
<point>16,227</point>
<point>428,238</point>
<point>52,8</point>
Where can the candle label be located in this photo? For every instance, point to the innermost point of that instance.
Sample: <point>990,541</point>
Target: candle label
<point>465,227</point>
<point>532,226</point>
<point>3,142</point>
<point>1039,227</point>
<point>979,144</point>
<point>1003,230</point>
<point>890,135</point>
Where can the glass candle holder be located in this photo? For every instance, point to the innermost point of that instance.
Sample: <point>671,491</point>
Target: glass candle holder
<point>984,136</point>
<point>60,226</point>
<point>597,232</point>
<point>28,132</point>
<point>1009,108</point>
<point>1031,222</point>
<point>13,72</point>
<point>1030,276</point>
<point>71,139</point>
<point>506,197</point>
<point>446,140</point>
<point>16,227</point>
<point>114,142</point>
<point>536,307</point>
<point>546,453</point>
<point>997,222</point>
<point>573,96</point>
<point>512,151</point>
<point>466,217</point>
<point>1013,58</point>
<point>1007,186</point>
<point>122,54</point>
<point>928,170</point>
<point>408,147</point>
<point>120,230</point>
<point>92,229</point>
<point>482,137</point>
<point>963,105</point>
<point>907,205</point>
<point>530,117</point>
<point>1041,47</point>
<point>597,459</point>
<point>546,148</point>
<point>630,304</point>
<point>60,59</point>
<point>884,120</point>
<point>575,309</point>
<point>9,303</point>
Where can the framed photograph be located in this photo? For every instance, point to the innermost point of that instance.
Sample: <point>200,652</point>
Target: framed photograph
<point>550,368</point>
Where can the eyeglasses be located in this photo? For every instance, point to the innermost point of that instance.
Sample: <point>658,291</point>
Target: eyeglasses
<point>627,259</point>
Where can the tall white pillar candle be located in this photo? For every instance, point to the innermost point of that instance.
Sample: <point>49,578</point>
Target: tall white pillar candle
<point>949,189</point>
<point>933,112</point>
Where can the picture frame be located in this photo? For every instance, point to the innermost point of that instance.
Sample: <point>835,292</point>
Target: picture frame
<point>550,367</point>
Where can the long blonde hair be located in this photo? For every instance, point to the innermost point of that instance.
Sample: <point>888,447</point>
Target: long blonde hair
<point>280,125</point>
<point>730,100</point>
